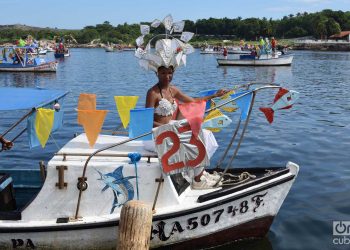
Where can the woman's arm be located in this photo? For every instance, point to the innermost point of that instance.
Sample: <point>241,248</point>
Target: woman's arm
<point>151,103</point>
<point>185,98</point>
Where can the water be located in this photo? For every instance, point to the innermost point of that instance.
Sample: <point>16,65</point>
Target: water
<point>315,133</point>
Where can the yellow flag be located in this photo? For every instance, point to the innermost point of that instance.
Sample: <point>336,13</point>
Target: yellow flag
<point>124,105</point>
<point>43,124</point>
<point>86,102</point>
<point>92,121</point>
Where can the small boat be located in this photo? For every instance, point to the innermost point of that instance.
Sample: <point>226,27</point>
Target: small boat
<point>79,203</point>
<point>263,60</point>
<point>210,50</point>
<point>109,49</point>
<point>21,59</point>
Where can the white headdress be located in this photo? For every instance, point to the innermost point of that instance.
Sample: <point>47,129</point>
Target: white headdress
<point>169,51</point>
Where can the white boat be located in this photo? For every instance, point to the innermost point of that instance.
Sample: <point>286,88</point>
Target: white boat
<point>79,204</point>
<point>109,49</point>
<point>264,60</point>
<point>210,50</point>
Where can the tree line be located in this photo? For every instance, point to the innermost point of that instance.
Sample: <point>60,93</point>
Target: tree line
<point>319,25</point>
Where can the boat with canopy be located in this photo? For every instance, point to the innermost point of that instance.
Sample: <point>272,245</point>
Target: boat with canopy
<point>93,175</point>
<point>21,59</point>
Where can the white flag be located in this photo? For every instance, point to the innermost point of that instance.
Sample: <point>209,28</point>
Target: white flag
<point>179,26</point>
<point>139,41</point>
<point>186,36</point>
<point>144,29</point>
<point>155,23</point>
<point>168,22</point>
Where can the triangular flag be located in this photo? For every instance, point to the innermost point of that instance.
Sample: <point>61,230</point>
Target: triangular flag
<point>243,103</point>
<point>43,124</point>
<point>193,112</point>
<point>86,102</point>
<point>92,121</point>
<point>32,138</point>
<point>124,105</point>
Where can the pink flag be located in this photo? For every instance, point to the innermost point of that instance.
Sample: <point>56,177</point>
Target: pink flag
<point>193,112</point>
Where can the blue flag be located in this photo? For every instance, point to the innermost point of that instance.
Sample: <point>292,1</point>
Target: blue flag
<point>243,103</point>
<point>141,122</point>
<point>207,93</point>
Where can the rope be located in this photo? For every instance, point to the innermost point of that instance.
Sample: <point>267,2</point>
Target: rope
<point>237,179</point>
<point>134,158</point>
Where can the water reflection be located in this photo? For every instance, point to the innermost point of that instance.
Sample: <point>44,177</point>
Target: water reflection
<point>26,79</point>
<point>266,75</point>
<point>261,244</point>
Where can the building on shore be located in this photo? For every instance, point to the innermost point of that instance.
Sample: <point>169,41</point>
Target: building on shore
<point>344,35</point>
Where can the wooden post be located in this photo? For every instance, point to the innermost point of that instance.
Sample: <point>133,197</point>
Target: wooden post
<point>135,226</point>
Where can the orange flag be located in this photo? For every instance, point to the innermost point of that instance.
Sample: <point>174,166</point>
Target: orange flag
<point>86,102</point>
<point>193,112</point>
<point>92,121</point>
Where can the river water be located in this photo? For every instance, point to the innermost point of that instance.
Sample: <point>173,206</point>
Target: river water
<point>315,133</point>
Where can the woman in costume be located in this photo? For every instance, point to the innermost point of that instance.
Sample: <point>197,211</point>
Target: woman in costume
<point>164,97</point>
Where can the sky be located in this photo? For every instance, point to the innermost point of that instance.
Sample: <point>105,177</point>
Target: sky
<point>76,14</point>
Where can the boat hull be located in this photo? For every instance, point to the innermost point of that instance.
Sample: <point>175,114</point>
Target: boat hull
<point>223,216</point>
<point>45,67</point>
<point>280,61</point>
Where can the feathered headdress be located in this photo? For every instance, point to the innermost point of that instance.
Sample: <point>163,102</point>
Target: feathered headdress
<point>169,51</point>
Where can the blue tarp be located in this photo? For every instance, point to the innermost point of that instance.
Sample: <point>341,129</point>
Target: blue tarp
<point>27,98</point>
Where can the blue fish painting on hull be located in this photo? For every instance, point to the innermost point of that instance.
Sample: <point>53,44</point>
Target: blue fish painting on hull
<point>123,190</point>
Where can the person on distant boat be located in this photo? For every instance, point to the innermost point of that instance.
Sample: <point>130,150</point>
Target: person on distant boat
<point>5,144</point>
<point>60,48</point>
<point>273,44</point>
<point>224,53</point>
<point>262,45</point>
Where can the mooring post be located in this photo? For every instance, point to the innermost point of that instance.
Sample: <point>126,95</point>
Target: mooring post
<point>135,226</point>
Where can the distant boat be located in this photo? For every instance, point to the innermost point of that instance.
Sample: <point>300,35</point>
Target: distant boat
<point>210,50</point>
<point>263,60</point>
<point>109,49</point>
<point>20,59</point>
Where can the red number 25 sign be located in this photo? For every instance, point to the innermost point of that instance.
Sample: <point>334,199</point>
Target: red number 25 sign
<point>194,153</point>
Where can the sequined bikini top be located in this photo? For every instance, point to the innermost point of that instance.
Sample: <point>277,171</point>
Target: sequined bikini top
<point>165,107</point>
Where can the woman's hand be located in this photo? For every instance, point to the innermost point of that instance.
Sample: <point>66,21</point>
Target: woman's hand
<point>221,92</point>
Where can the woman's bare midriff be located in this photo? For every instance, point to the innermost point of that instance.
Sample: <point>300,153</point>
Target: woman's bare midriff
<point>162,119</point>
